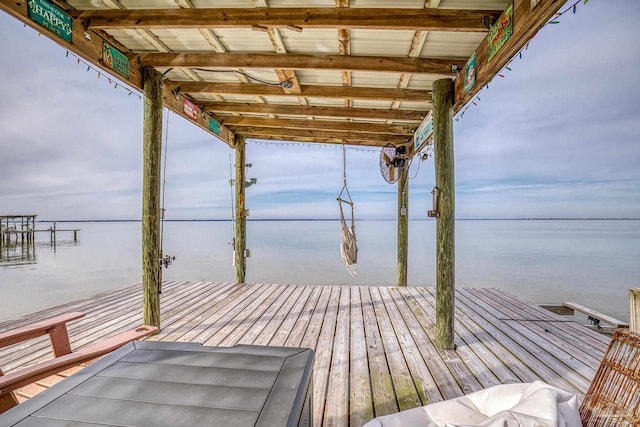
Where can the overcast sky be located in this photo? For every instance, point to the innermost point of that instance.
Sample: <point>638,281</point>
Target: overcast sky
<point>558,136</point>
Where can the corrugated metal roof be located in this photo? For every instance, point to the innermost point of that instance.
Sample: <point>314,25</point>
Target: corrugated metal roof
<point>311,40</point>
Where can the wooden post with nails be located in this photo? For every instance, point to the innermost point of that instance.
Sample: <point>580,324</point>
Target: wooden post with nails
<point>443,96</point>
<point>403,225</point>
<point>241,218</point>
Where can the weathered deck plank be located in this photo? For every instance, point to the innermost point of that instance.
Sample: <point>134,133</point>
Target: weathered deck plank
<point>384,398</point>
<point>374,345</point>
<point>361,408</point>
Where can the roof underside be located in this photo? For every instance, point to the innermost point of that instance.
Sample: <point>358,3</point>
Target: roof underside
<point>332,71</point>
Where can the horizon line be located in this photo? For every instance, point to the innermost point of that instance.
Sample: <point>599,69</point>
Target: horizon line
<point>361,219</point>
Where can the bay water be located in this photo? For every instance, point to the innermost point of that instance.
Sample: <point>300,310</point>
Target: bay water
<point>592,262</point>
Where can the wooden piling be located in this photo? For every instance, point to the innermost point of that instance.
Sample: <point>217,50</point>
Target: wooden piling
<point>403,225</point>
<point>634,310</point>
<point>443,96</point>
<point>152,150</point>
<point>241,219</point>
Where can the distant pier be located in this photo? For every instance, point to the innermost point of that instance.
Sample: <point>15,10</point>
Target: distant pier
<point>19,231</point>
<point>23,228</point>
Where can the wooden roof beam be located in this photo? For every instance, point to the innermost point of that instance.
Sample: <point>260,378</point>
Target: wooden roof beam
<point>393,64</point>
<point>319,140</point>
<point>333,125</point>
<point>347,18</point>
<point>307,135</point>
<point>294,110</point>
<point>371,93</point>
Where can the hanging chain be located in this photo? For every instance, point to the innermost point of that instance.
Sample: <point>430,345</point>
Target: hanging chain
<point>344,164</point>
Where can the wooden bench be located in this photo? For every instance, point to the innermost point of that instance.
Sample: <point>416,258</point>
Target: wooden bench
<point>596,316</point>
<point>64,357</point>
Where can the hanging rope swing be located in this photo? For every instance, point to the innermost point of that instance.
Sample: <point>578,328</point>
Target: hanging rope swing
<point>349,245</point>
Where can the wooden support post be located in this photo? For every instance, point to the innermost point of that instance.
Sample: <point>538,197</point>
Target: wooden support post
<point>443,95</point>
<point>241,219</point>
<point>634,310</point>
<point>403,225</point>
<point>152,151</point>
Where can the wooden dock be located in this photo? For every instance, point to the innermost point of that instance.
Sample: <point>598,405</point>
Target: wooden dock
<point>374,345</point>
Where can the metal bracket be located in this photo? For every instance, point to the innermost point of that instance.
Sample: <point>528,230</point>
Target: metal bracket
<point>595,322</point>
<point>434,213</point>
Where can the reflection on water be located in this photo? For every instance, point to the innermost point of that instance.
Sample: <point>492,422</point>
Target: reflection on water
<point>15,253</point>
<point>23,253</point>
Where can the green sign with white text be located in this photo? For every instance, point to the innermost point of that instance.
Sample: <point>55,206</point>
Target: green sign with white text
<point>51,17</point>
<point>114,59</point>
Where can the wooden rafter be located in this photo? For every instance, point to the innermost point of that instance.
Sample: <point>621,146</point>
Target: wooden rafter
<point>371,93</point>
<point>301,62</point>
<point>294,110</point>
<point>285,75</point>
<point>348,18</point>
<point>333,125</point>
<point>417,43</point>
<point>211,38</point>
<point>344,43</point>
<point>307,135</point>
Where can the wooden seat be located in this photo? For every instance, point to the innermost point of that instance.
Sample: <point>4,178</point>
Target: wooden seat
<point>613,399</point>
<point>64,357</point>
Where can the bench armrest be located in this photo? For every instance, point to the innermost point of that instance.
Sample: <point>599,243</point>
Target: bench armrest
<point>30,374</point>
<point>56,328</point>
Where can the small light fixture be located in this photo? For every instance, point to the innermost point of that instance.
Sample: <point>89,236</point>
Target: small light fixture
<point>486,20</point>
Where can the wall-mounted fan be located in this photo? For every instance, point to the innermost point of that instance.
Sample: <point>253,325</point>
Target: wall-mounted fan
<point>391,160</point>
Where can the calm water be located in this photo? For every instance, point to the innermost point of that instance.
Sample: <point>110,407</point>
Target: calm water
<point>590,262</point>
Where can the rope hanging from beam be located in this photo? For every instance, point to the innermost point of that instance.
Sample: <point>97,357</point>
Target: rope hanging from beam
<point>349,245</point>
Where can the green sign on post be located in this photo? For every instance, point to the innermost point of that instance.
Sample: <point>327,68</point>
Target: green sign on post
<point>114,59</point>
<point>214,126</point>
<point>423,133</point>
<point>51,17</point>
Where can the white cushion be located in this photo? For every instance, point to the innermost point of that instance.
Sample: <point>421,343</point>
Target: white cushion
<point>510,405</point>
